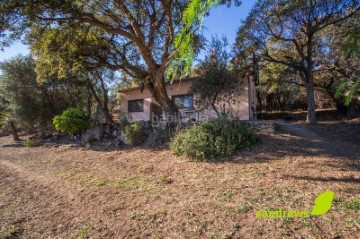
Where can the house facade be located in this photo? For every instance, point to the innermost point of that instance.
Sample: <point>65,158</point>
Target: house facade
<point>139,105</point>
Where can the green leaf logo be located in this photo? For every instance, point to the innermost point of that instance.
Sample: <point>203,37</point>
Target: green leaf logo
<point>322,203</point>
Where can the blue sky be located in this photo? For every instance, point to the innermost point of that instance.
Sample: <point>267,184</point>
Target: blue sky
<point>222,21</point>
<point>225,20</point>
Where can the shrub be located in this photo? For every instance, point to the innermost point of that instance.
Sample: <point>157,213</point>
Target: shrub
<point>72,121</point>
<point>134,133</point>
<point>213,139</point>
<point>31,143</point>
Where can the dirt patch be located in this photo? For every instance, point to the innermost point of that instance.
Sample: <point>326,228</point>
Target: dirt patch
<point>72,192</point>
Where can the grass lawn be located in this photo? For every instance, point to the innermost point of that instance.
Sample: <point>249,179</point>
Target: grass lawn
<point>73,192</point>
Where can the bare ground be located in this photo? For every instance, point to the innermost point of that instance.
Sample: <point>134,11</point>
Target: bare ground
<point>72,192</point>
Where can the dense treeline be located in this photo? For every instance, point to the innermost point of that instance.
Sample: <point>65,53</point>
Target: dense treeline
<point>80,49</point>
<point>302,46</point>
<point>31,105</point>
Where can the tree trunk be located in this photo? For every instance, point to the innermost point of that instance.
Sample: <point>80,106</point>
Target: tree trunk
<point>89,105</point>
<point>158,91</point>
<point>103,105</point>
<point>214,107</point>
<point>311,115</point>
<point>216,111</point>
<point>309,82</point>
<point>14,131</point>
<point>259,104</point>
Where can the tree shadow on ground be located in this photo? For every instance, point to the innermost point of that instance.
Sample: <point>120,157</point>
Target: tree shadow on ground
<point>12,145</point>
<point>281,146</point>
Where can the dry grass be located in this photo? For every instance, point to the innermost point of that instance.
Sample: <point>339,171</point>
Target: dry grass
<point>68,192</point>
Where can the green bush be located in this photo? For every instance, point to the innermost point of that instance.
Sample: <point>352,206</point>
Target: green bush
<point>213,139</point>
<point>72,121</point>
<point>31,143</point>
<point>134,133</point>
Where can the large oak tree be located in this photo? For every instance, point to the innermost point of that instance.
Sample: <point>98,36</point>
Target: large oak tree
<point>140,34</point>
<point>68,54</point>
<point>144,37</point>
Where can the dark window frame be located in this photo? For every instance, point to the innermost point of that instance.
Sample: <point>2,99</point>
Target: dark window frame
<point>184,95</point>
<point>136,110</point>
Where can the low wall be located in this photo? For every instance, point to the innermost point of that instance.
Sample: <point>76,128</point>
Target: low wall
<point>321,115</point>
<point>262,126</point>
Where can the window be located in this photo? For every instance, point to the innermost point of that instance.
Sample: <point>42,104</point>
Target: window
<point>183,101</point>
<point>135,106</point>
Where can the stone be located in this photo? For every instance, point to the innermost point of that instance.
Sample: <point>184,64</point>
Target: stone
<point>90,135</point>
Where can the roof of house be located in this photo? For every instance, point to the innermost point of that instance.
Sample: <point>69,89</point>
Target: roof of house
<point>167,83</point>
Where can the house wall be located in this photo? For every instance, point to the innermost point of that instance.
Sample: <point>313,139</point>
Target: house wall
<point>239,107</point>
<point>136,94</point>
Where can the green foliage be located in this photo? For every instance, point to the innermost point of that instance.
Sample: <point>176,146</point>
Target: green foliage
<point>165,134</point>
<point>83,233</point>
<point>348,89</point>
<point>280,31</point>
<point>124,121</point>
<point>134,37</point>
<point>243,208</point>
<point>4,112</point>
<point>134,133</point>
<point>352,42</point>
<point>30,103</point>
<point>184,54</point>
<point>213,139</point>
<point>279,88</point>
<point>31,143</point>
<point>217,80</point>
<point>138,38</point>
<point>19,91</point>
<point>3,117</point>
<point>59,51</point>
<point>72,121</point>
<point>192,17</point>
<point>353,205</point>
<point>60,54</point>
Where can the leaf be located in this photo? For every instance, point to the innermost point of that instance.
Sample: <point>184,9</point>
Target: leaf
<point>322,203</point>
